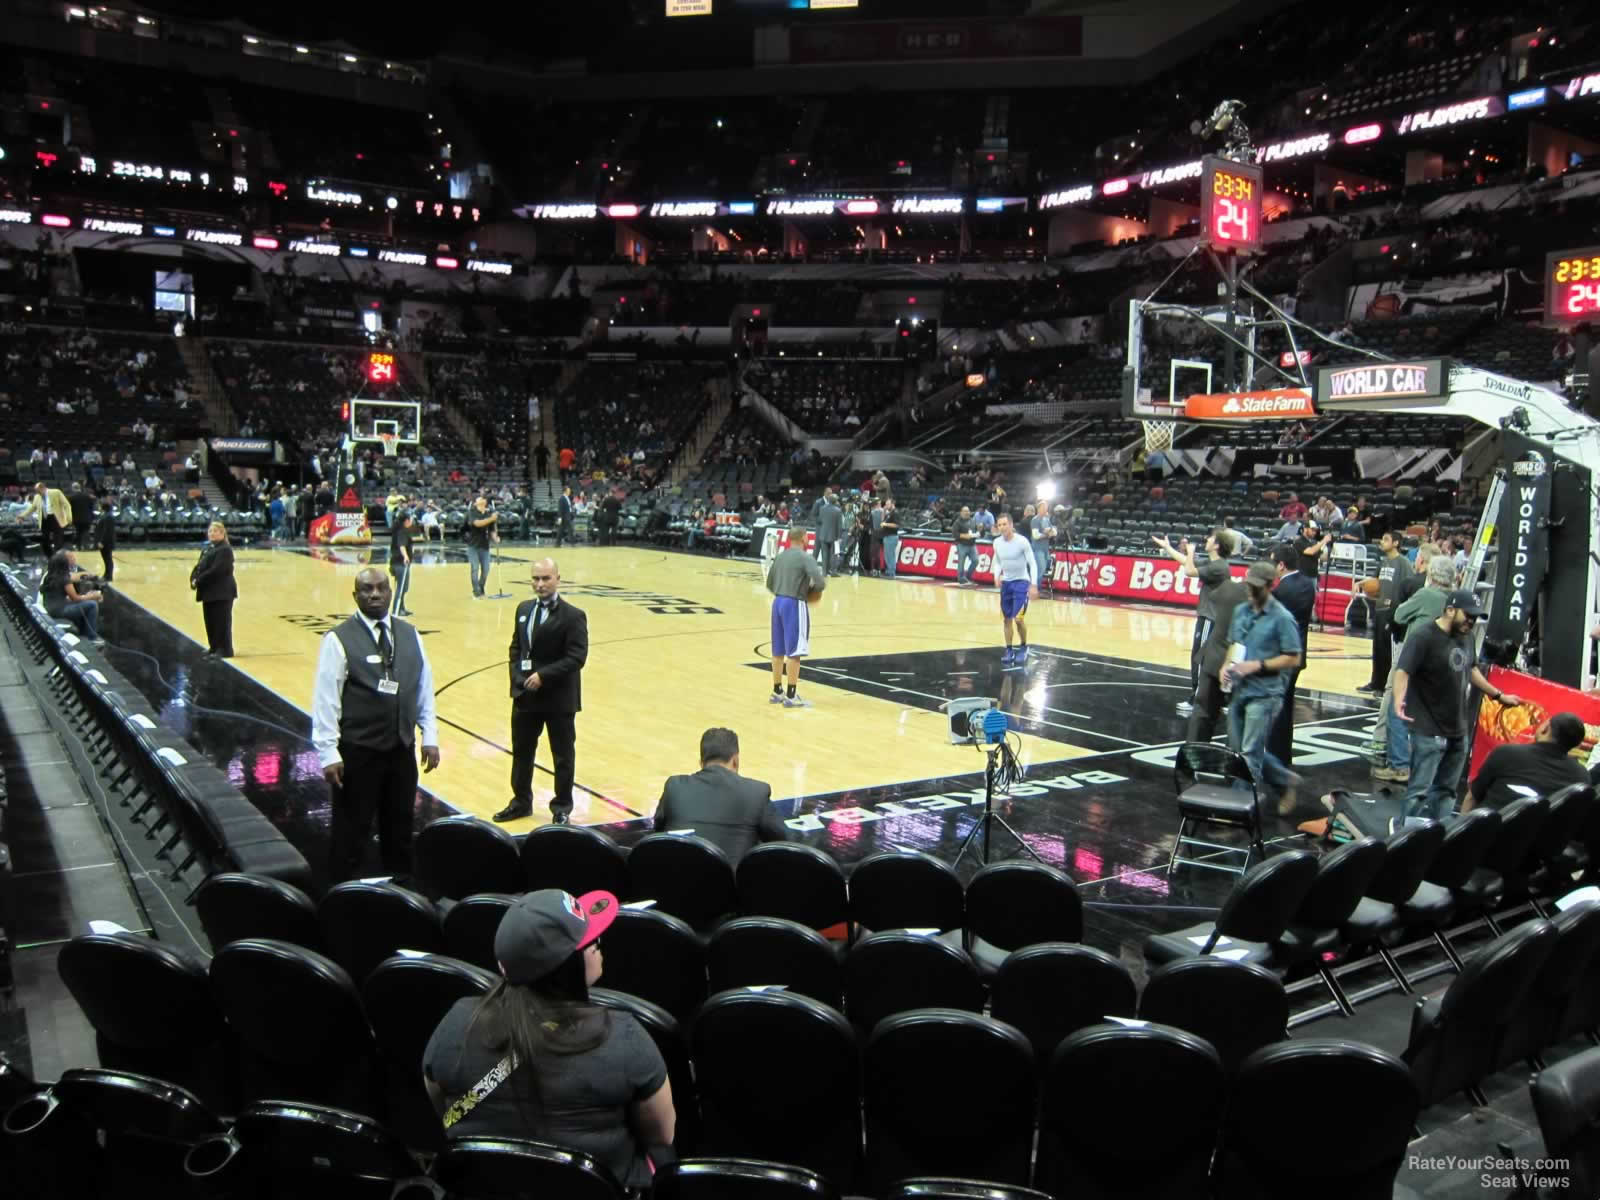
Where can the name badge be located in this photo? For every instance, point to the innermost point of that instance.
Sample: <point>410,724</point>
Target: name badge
<point>374,658</point>
<point>389,687</point>
<point>527,664</point>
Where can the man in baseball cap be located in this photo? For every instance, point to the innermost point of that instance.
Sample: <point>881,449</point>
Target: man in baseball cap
<point>1429,692</point>
<point>1267,648</point>
<point>545,928</point>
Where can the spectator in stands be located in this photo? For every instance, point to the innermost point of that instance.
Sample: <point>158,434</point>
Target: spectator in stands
<point>275,513</point>
<point>1390,748</point>
<point>966,532</point>
<point>59,593</point>
<point>1325,512</point>
<point>1219,593</point>
<point>541,459</point>
<point>889,531</point>
<point>1293,508</point>
<point>53,511</point>
<point>1520,769</point>
<point>1042,532</point>
<point>717,803</point>
<point>566,460</point>
<point>216,589</point>
<point>1245,543</point>
<point>535,1059</point>
<point>128,463</point>
<point>1393,570</point>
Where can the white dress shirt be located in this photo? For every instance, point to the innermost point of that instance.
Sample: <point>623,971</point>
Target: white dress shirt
<point>327,699</point>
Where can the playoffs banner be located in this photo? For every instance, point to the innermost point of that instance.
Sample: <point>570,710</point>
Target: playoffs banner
<point>1524,549</point>
<point>1541,700</point>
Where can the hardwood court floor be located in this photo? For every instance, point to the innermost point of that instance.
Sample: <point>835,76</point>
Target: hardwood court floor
<point>677,644</point>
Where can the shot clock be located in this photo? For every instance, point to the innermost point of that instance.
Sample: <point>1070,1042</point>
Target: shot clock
<point>380,367</point>
<point>1572,286</point>
<point>1230,204</point>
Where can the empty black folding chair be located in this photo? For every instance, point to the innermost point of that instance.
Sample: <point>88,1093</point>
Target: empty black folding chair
<point>575,859</point>
<point>758,951</point>
<point>232,905</point>
<point>905,889</point>
<point>794,881</point>
<point>462,855</point>
<point>1015,904</point>
<point>1566,1099</point>
<point>894,972</point>
<point>739,1179</point>
<point>1254,915</point>
<point>1056,988</point>
<point>1237,1007</point>
<point>470,925</point>
<point>364,923</point>
<point>489,1168</point>
<point>686,876</point>
<point>657,957</point>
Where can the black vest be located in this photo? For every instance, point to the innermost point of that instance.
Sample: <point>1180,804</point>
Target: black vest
<point>370,718</point>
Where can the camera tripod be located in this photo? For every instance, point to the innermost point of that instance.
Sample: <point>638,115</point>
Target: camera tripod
<point>986,823</point>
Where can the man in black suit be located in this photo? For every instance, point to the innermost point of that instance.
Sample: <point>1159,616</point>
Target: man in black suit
<point>549,645</point>
<point>564,512</point>
<point>719,804</point>
<point>1296,591</point>
<point>215,589</point>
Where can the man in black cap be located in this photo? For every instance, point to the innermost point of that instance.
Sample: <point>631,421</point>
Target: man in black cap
<point>374,689</point>
<point>1430,692</point>
<point>1269,650</point>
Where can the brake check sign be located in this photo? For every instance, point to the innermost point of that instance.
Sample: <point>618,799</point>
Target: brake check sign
<point>1422,379</point>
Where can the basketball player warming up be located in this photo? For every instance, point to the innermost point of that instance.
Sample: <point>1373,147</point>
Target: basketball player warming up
<point>1017,575</point>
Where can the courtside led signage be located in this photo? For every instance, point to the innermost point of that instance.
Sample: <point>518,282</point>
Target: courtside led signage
<point>1421,379</point>
<point>1449,115</point>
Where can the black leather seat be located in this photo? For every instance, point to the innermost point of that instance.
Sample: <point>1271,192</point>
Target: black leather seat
<point>278,1150</point>
<point>1254,915</point>
<point>1054,989</point>
<point>1538,1021</point>
<point>1237,1007</point>
<point>1566,1099</point>
<point>1454,1035</point>
<point>1214,787</point>
<point>1550,867</point>
<point>1283,1090</point>
<point>794,881</point>
<point>461,855</point>
<point>757,951</point>
<point>1011,905</point>
<point>488,1168</point>
<point>658,958</point>
<point>405,999</point>
<point>1459,869</point>
<point>470,925</point>
<point>153,1012</point>
<point>301,1029</point>
<point>940,1188</point>
<point>923,1070</point>
<point>742,1042</point>
<point>905,889</point>
<point>1157,1102</point>
<point>673,1043</point>
<point>895,971</point>
<point>365,923</point>
<point>99,1132</point>
<point>739,1179</point>
<point>575,859</point>
<point>233,906</point>
<point>1378,918</point>
<point>1520,822</point>
<point>687,876</point>
<point>1315,934</point>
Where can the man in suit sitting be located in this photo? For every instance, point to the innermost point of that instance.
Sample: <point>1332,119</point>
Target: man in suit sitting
<point>1296,591</point>
<point>549,645</point>
<point>719,804</point>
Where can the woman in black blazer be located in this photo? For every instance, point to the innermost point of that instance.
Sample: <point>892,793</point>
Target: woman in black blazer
<point>215,589</point>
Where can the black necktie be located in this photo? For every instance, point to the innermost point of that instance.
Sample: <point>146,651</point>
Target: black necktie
<point>385,646</point>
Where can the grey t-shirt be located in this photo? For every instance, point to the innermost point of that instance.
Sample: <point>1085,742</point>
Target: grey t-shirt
<point>1212,574</point>
<point>585,1100</point>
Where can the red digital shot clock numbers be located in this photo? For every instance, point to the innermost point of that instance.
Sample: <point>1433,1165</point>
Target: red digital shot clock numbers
<point>1230,204</point>
<point>1572,286</point>
<point>380,368</point>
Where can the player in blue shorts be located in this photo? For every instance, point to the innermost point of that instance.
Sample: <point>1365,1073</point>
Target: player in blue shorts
<point>793,576</point>
<point>1017,574</point>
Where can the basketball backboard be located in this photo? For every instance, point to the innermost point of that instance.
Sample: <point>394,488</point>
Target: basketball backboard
<point>370,419</point>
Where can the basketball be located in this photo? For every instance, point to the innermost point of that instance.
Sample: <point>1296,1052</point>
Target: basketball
<point>814,595</point>
<point>1369,588</point>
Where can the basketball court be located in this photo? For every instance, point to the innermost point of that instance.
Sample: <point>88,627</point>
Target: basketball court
<point>678,643</point>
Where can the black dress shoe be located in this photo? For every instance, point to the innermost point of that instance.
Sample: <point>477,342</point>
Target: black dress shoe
<point>558,818</point>
<point>514,812</point>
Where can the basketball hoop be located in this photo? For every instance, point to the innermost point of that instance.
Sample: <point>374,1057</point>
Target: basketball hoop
<point>1158,434</point>
<point>391,444</point>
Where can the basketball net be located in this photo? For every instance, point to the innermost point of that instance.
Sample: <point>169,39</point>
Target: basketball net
<point>1158,434</point>
<point>390,444</point>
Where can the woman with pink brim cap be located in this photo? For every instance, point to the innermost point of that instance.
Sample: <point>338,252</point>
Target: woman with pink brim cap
<point>535,1059</point>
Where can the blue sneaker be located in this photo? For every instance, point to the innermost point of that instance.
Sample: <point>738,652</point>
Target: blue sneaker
<point>1022,655</point>
<point>1008,658</point>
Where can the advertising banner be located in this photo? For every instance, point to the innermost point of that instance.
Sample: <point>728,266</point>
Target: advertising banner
<point>1275,404</point>
<point>1524,536</point>
<point>1145,578</point>
<point>1541,700</point>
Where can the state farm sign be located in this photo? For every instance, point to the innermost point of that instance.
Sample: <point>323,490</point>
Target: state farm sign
<point>1275,404</point>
